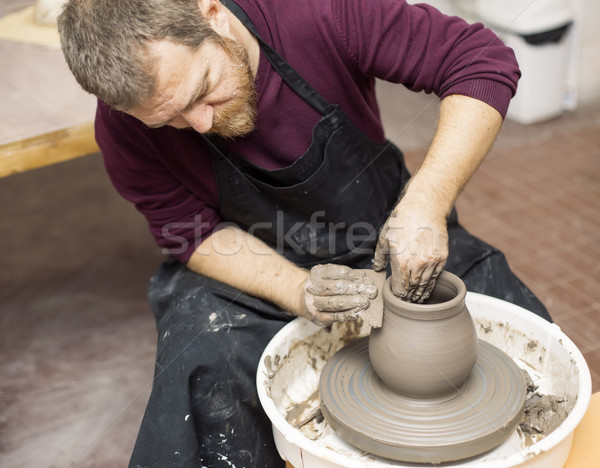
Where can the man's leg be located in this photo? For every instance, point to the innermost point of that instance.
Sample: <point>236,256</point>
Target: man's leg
<point>204,408</point>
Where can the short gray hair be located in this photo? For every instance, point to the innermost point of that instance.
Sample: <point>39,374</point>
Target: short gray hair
<point>105,43</point>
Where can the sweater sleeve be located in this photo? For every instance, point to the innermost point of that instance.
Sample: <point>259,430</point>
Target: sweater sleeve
<point>178,218</point>
<point>423,49</point>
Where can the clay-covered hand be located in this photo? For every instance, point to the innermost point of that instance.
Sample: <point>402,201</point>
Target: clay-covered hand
<point>336,293</point>
<point>416,245</point>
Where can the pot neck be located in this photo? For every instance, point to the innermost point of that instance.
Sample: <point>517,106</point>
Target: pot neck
<point>447,299</point>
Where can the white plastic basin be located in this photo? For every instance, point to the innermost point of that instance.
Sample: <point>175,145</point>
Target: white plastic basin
<point>288,376</point>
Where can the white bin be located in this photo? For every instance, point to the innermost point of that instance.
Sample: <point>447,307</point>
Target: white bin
<point>539,33</point>
<point>290,367</point>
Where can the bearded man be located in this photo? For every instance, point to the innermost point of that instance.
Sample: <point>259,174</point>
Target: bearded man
<point>249,136</point>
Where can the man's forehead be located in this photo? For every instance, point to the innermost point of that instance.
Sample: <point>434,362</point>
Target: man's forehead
<point>173,61</point>
<point>165,54</point>
<point>179,73</point>
<point>167,46</point>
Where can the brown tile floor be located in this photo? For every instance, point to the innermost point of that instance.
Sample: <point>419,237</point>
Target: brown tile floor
<point>76,336</point>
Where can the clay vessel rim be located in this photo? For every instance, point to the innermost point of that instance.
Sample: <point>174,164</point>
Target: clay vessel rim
<point>425,311</point>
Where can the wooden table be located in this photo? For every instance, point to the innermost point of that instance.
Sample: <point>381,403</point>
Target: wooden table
<point>45,117</point>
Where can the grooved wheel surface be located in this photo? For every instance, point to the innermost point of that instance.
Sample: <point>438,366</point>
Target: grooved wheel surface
<point>479,416</point>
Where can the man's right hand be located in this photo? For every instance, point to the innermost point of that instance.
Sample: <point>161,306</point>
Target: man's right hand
<point>335,293</point>
<point>323,295</point>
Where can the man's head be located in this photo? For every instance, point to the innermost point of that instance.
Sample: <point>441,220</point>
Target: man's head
<point>105,43</point>
<point>120,52</point>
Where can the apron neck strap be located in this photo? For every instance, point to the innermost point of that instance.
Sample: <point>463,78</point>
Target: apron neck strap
<point>291,77</point>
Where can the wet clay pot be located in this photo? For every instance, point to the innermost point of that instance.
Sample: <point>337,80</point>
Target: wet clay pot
<point>425,350</point>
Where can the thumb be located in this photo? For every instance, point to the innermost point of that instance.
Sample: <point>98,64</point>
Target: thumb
<point>382,255</point>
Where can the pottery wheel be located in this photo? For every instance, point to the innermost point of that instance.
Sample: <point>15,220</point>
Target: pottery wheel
<point>367,414</point>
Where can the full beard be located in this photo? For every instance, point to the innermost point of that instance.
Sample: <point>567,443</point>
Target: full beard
<point>237,116</point>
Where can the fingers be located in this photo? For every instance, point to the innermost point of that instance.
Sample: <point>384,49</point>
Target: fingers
<point>427,282</point>
<point>340,303</point>
<point>325,310</point>
<point>343,287</point>
<point>337,293</point>
<point>431,283</point>
<point>382,251</point>
<point>327,318</point>
<point>417,255</point>
<point>414,277</point>
<point>328,271</point>
<point>423,284</point>
<point>400,283</point>
<point>333,280</point>
<point>331,271</point>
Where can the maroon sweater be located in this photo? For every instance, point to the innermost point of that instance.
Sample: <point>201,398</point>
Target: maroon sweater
<point>339,47</point>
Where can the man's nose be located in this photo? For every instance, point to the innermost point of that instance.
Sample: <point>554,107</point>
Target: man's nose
<point>200,117</point>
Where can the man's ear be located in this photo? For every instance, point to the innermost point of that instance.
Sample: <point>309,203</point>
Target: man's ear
<point>216,15</point>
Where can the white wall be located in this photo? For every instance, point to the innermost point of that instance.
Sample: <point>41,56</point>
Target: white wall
<point>584,74</point>
<point>587,17</point>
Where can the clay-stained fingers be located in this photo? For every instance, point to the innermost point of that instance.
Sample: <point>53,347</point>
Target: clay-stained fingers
<point>325,319</point>
<point>382,250</point>
<point>332,271</point>
<point>425,279</point>
<point>340,303</point>
<point>333,280</point>
<point>328,271</point>
<point>324,311</point>
<point>414,275</point>
<point>416,282</point>
<point>413,269</point>
<point>364,286</point>
<point>427,282</point>
<point>401,278</point>
<point>337,293</point>
<point>433,280</point>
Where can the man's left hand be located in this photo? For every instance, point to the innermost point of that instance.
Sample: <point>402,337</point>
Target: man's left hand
<point>336,293</point>
<point>416,245</point>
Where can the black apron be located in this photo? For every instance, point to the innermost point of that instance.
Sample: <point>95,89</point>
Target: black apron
<point>329,205</point>
<point>204,409</point>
